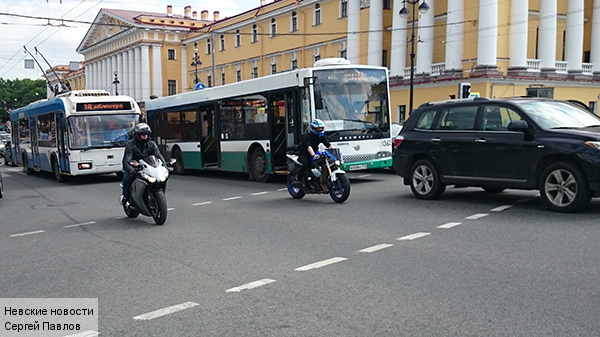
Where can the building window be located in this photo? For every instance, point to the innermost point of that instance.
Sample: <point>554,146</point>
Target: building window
<point>317,15</point>
<point>222,76</point>
<point>171,87</point>
<point>208,47</point>
<point>238,73</point>
<point>254,70</point>
<point>293,62</point>
<point>238,39</point>
<point>384,57</point>
<point>343,52</point>
<point>344,9</point>
<point>254,33</point>
<point>294,22</point>
<point>273,66</point>
<point>273,28</point>
<point>171,54</point>
<point>222,43</point>
<point>209,80</point>
<point>540,92</point>
<point>317,55</point>
<point>387,4</point>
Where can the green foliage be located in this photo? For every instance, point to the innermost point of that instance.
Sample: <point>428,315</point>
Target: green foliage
<point>17,93</point>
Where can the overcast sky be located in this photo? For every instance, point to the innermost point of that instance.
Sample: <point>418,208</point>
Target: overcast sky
<point>20,27</point>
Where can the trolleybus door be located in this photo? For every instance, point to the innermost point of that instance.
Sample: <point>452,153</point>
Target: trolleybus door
<point>61,139</point>
<point>282,132</point>
<point>33,134</point>
<point>209,142</point>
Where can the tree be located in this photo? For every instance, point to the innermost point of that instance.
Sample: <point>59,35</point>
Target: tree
<point>17,93</point>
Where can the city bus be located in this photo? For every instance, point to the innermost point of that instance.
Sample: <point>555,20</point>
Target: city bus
<point>76,133</point>
<point>247,126</point>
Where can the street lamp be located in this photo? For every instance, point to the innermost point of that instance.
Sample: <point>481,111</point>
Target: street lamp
<point>196,62</point>
<point>423,8</point>
<point>116,83</point>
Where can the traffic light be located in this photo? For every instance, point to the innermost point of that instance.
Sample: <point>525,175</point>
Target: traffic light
<point>464,90</point>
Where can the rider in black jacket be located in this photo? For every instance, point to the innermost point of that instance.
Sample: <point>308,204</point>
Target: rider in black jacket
<point>139,147</point>
<point>310,144</point>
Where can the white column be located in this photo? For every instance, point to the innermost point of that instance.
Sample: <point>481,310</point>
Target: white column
<point>94,74</point>
<point>547,35</point>
<point>375,36</point>
<point>595,41</point>
<point>517,44</point>
<point>425,40</point>
<point>103,75</point>
<point>398,47</point>
<point>120,72</point>
<point>123,77</point>
<point>131,85</point>
<point>145,72</point>
<point>353,46</point>
<point>156,71</point>
<point>138,74</point>
<point>574,36</point>
<point>184,69</point>
<point>454,35</point>
<point>487,42</point>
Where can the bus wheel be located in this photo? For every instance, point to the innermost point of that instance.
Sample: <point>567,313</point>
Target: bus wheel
<point>26,168</point>
<point>178,167</point>
<point>258,165</point>
<point>56,170</point>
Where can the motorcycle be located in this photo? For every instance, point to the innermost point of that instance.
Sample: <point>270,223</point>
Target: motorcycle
<point>325,176</point>
<point>148,189</point>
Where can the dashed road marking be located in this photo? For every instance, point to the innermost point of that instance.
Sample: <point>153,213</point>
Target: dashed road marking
<point>202,203</point>
<point>27,233</point>
<point>413,236</point>
<point>260,193</point>
<point>282,189</point>
<point>165,311</point>
<point>449,225</point>
<point>376,248</point>
<point>476,216</point>
<point>364,176</point>
<point>170,209</point>
<point>80,224</point>
<point>321,263</point>
<point>501,208</point>
<point>232,198</point>
<point>250,285</point>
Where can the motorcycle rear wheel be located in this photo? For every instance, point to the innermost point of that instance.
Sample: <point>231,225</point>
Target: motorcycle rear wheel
<point>339,190</point>
<point>158,206</point>
<point>295,192</point>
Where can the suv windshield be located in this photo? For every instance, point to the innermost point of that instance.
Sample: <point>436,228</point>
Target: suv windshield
<point>556,114</point>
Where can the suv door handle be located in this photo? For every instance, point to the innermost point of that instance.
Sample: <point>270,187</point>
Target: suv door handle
<point>480,140</point>
<point>436,139</point>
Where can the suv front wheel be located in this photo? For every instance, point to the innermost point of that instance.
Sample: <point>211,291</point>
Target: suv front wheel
<point>425,180</point>
<point>564,188</point>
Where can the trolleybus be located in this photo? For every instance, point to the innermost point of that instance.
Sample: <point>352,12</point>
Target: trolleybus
<point>75,133</point>
<point>246,126</point>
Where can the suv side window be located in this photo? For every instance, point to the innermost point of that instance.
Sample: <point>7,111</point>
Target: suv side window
<point>426,120</point>
<point>496,118</point>
<point>457,118</point>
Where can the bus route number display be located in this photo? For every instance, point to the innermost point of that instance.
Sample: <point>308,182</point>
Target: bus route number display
<point>104,106</point>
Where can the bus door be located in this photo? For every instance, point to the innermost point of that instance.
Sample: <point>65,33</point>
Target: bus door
<point>209,140</point>
<point>283,128</point>
<point>157,123</point>
<point>61,141</point>
<point>33,133</point>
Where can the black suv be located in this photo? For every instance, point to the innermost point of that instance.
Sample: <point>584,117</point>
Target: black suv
<point>521,143</point>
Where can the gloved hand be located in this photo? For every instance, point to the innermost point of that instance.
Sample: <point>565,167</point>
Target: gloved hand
<point>316,156</point>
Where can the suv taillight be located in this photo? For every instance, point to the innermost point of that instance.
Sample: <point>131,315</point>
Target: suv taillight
<point>398,140</point>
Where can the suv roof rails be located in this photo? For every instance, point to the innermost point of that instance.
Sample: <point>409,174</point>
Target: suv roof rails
<point>457,100</point>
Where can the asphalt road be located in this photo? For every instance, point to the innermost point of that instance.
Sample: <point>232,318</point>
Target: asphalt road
<point>240,258</point>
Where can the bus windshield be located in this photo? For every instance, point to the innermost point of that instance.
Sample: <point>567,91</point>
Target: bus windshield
<point>98,131</point>
<point>353,99</point>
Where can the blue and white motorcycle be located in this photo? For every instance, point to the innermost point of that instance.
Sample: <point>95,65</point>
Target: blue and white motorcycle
<point>325,176</point>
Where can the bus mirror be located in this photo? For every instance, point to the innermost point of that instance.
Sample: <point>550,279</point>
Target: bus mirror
<point>318,99</point>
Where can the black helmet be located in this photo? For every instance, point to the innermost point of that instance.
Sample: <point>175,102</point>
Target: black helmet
<point>142,129</point>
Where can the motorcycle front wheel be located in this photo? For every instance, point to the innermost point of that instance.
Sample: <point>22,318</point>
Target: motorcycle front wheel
<point>130,212</point>
<point>157,204</point>
<point>340,189</point>
<point>295,192</point>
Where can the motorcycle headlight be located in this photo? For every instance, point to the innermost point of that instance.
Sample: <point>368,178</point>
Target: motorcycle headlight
<point>337,162</point>
<point>164,177</point>
<point>148,178</point>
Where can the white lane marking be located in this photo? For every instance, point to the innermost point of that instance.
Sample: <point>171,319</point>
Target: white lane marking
<point>202,203</point>
<point>165,311</point>
<point>250,285</point>
<point>5,175</point>
<point>27,233</point>
<point>376,248</point>
<point>501,208</point>
<point>88,333</point>
<point>282,189</point>
<point>414,236</point>
<point>170,209</point>
<point>364,176</point>
<point>449,225</point>
<point>321,263</point>
<point>522,201</point>
<point>476,216</point>
<point>80,224</point>
<point>260,193</point>
<point>232,198</point>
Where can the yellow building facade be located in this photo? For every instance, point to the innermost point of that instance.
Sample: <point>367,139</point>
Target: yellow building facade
<point>501,48</point>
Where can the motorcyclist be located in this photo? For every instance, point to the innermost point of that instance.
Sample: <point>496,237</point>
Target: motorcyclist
<point>310,142</point>
<point>139,147</point>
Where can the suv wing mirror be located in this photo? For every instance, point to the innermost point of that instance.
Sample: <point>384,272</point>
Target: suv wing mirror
<point>519,125</point>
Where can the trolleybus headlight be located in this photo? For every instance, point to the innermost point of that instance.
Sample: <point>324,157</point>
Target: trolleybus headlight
<point>84,166</point>
<point>148,177</point>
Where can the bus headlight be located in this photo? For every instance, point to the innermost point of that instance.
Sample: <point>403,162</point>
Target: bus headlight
<point>84,166</point>
<point>148,178</point>
<point>384,154</point>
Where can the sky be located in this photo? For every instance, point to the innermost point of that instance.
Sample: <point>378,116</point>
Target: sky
<point>36,24</point>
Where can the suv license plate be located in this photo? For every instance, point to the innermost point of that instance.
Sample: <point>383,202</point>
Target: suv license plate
<point>358,167</point>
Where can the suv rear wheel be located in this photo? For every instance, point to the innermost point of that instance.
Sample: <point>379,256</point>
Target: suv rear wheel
<point>425,180</point>
<point>564,188</point>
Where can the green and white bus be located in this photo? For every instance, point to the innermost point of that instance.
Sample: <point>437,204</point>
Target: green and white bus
<point>246,126</point>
